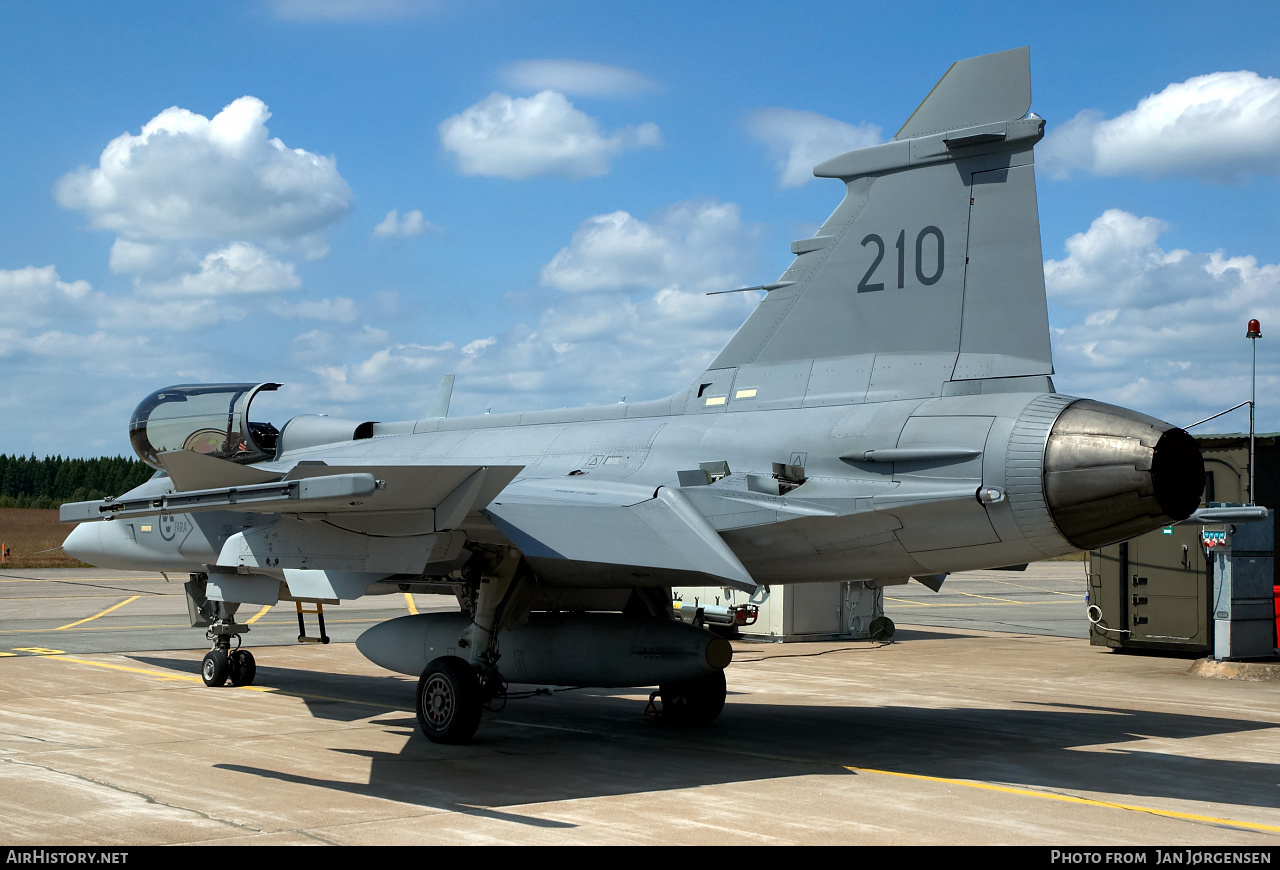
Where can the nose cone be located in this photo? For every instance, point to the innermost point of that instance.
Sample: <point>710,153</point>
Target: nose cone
<point>1111,474</point>
<point>85,543</point>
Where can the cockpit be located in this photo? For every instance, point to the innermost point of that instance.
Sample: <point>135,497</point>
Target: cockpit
<point>206,418</point>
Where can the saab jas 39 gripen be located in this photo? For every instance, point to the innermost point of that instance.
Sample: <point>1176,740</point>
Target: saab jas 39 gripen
<point>885,413</point>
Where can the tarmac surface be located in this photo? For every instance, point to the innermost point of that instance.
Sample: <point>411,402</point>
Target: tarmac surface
<point>953,734</point>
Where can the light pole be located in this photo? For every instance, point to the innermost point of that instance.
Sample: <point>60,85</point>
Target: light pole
<point>1254,333</point>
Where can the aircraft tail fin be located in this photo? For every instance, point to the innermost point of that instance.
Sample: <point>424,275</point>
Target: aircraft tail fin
<point>980,90</point>
<point>927,280</point>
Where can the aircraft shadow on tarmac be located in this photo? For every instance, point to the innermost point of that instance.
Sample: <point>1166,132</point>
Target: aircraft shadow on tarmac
<point>596,742</point>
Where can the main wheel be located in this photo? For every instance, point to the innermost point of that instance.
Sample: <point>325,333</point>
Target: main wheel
<point>693,702</point>
<point>213,670</point>
<point>242,668</point>
<point>449,701</point>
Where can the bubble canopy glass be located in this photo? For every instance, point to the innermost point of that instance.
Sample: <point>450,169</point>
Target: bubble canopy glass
<point>207,418</point>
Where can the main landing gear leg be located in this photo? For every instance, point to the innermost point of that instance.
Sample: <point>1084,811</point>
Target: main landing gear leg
<point>452,691</point>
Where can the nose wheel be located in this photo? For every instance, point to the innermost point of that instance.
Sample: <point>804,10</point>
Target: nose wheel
<point>222,663</point>
<point>215,667</point>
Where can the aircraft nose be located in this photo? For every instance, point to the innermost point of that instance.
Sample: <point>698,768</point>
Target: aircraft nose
<point>1111,473</point>
<point>84,542</point>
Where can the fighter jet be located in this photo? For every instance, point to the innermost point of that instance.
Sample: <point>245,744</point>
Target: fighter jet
<point>886,413</point>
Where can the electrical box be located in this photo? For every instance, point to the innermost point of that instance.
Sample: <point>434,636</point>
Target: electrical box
<point>1243,592</point>
<point>1151,592</point>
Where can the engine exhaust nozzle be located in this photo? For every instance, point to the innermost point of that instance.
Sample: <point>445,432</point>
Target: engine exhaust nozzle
<point>1111,473</point>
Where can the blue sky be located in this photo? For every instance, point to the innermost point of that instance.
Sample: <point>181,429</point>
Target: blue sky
<point>568,180</point>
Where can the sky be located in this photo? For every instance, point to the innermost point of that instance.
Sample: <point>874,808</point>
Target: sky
<point>355,198</point>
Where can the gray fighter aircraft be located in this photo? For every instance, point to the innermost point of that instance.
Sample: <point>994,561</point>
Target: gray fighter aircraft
<point>886,413</point>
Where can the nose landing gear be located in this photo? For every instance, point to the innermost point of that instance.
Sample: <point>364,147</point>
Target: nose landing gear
<point>219,617</point>
<point>223,663</point>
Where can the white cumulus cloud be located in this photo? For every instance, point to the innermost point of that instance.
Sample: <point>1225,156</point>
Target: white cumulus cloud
<point>1217,127</point>
<point>37,295</point>
<point>575,77</point>
<point>700,245</point>
<point>394,226</point>
<point>1159,330</point>
<point>239,268</point>
<point>544,134</point>
<point>647,330</point>
<point>339,308</point>
<point>185,176</point>
<point>799,140</point>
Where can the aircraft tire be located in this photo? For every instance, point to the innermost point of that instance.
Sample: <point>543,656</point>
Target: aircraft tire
<point>214,668</point>
<point>449,701</point>
<point>693,703</point>
<point>242,668</point>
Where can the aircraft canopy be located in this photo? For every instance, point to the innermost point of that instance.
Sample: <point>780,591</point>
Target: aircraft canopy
<point>212,419</point>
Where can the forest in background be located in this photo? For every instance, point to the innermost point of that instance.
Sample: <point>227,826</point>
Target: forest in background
<point>28,482</point>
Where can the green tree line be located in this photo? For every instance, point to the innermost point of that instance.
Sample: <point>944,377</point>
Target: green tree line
<point>28,482</point>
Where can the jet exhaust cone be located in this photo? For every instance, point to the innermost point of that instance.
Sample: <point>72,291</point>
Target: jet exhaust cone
<point>1111,473</point>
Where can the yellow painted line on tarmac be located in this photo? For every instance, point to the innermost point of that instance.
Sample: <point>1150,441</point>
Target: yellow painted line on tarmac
<point>987,786</point>
<point>76,579</point>
<point>188,678</point>
<point>95,628</point>
<point>184,625</point>
<point>96,615</point>
<point>999,603</point>
<point>167,675</point>
<point>987,597</point>
<point>78,597</point>
<point>1028,586</point>
<point>261,613</point>
<point>413,608</point>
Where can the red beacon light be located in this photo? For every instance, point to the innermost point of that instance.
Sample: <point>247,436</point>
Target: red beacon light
<point>1255,330</point>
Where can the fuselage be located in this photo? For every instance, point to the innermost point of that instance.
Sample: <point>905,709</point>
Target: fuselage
<point>888,490</point>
